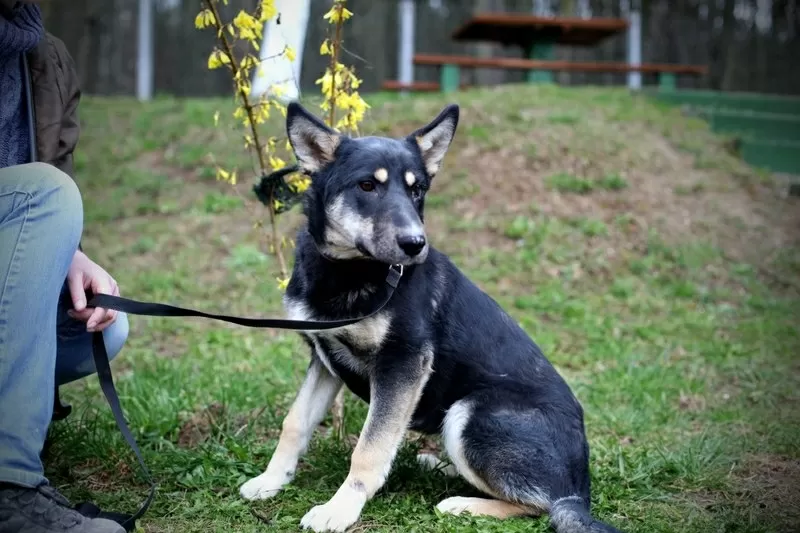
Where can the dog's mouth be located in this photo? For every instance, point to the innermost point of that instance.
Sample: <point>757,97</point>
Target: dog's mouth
<point>392,257</point>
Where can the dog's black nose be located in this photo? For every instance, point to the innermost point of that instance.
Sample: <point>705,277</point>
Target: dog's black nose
<point>411,244</point>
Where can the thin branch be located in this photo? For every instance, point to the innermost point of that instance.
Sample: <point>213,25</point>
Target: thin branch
<point>353,54</point>
<point>249,109</point>
<point>337,43</point>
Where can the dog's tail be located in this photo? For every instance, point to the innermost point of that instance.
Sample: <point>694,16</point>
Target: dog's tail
<point>571,515</point>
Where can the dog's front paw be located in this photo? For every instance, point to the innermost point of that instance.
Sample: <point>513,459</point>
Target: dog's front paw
<point>332,516</point>
<point>262,487</point>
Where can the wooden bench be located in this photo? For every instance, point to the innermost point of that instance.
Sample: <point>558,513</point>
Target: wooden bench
<point>416,86</point>
<point>450,68</point>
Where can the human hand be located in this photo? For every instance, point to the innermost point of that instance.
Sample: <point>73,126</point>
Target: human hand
<point>86,274</point>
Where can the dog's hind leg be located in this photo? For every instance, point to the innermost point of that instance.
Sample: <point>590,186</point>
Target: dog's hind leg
<point>532,458</point>
<point>429,461</point>
<point>483,507</point>
<point>508,452</point>
<point>461,453</point>
<point>313,401</point>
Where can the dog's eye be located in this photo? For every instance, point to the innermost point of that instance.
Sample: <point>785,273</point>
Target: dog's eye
<point>367,186</point>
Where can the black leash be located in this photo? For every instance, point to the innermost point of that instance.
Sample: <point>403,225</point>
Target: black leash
<point>134,307</point>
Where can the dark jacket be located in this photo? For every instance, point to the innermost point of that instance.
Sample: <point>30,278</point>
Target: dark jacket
<point>54,86</point>
<point>53,83</point>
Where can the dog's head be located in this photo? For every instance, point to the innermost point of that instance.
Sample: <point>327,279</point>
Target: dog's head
<point>367,194</point>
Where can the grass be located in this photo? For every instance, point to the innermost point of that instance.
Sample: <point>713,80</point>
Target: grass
<point>579,210</point>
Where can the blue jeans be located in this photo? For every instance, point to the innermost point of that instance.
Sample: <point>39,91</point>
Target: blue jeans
<point>41,220</point>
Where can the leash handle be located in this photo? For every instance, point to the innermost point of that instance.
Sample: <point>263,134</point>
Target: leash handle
<point>135,307</point>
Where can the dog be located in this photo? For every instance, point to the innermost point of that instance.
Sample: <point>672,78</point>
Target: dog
<point>441,357</point>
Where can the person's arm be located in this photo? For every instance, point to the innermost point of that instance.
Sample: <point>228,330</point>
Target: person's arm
<point>70,125</point>
<point>83,272</point>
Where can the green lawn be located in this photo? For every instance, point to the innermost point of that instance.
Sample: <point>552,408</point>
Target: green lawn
<point>657,272</point>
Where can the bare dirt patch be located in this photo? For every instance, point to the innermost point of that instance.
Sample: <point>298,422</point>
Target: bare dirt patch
<point>770,485</point>
<point>750,221</point>
<point>198,427</point>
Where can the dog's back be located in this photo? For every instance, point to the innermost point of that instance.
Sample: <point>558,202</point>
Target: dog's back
<point>478,346</point>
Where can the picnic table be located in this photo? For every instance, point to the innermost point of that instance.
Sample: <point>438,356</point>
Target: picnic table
<point>537,36</point>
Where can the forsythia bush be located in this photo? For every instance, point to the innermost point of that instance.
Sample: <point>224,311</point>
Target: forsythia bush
<point>339,86</point>
<point>339,83</point>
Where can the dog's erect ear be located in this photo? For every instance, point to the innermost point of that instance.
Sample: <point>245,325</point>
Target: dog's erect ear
<point>434,139</point>
<point>313,142</point>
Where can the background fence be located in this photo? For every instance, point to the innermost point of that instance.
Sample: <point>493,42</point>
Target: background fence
<point>749,45</point>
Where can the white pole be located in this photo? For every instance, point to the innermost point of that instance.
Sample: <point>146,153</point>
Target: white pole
<point>635,49</point>
<point>144,67</point>
<point>405,58</point>
<point>277,70</point>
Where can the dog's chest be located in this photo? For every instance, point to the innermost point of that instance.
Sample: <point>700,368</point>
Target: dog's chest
<point>351,346</point>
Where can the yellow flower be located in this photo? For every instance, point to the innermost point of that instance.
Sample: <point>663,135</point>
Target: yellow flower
<point>204,18</point>
<point>326,81</point>
<point>268,10</point>
<point>226,176</point>
<point>245,20</point>
<point>290,53</point>
<point>249,28</point>
<point>278,90</point>
<point>217,59</point>
<point>300,183</point>
<point>325,49</point>
<point>262,113</point>
<point>249,61</point>
<point>338,13</point>
<point>283,283</point>
<point>244,87</point>
<point>276,162</point>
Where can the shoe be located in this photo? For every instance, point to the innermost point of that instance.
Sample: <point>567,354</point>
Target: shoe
<point>44,510</point>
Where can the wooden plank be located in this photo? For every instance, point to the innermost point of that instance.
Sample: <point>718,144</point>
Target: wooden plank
<point>521,29</point>
<point>420,86</point>
<point>570,66</point>
<point>396,85</point>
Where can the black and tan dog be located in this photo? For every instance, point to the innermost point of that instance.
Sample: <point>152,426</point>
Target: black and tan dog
<point>440,357</point>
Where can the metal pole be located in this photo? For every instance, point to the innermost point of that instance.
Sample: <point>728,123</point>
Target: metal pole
<point>144,66</point>
<point>405,64</point>
<point>635,49</point>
